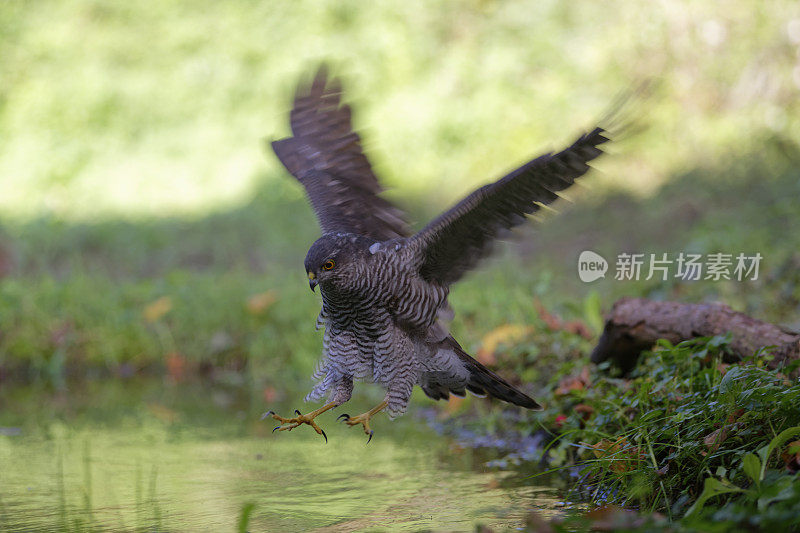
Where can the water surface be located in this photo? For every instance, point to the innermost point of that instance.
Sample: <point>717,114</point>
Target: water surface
<point>156,456</point>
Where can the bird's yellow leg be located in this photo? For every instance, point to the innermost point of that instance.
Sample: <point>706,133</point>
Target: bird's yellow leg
<point>363,418</point>
<point>288,424</point>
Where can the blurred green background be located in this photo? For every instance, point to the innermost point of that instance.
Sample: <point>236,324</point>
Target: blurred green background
<point>144,228</point>
<point>152,296</point>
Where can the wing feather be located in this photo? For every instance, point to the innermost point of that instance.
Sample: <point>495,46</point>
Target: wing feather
<point>325,155</point>
<point>454,242</point>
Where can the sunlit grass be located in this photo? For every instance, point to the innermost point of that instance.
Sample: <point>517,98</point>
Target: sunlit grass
<point>160,108</point>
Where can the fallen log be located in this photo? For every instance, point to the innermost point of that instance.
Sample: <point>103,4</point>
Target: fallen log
<point>635,324</point>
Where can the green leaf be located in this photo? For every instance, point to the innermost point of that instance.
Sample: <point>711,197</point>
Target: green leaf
<point>712,487</point>
<point>664,343</point>
<point>762,452</point>
<point>781,489</point>
<point>751,465</point>
<point>729,380</point>
<point>720,340</point>
<point>782,437</point>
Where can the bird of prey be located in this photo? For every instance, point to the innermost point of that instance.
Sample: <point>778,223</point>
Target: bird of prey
<point>384,290</point>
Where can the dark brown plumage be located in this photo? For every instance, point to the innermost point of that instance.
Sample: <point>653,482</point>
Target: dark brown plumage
<point>325,155</point>
<point>481,382</point>
<point>456,240</point>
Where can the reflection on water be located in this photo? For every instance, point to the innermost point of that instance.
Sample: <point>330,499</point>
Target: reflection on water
<point>156,457</point>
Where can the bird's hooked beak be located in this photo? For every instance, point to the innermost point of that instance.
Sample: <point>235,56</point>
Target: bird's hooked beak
<point>312,281</point>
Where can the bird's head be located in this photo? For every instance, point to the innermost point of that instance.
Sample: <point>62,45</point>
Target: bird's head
<point>332,261</point>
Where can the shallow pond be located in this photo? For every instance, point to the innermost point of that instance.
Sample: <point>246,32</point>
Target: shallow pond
<point>157,456</point>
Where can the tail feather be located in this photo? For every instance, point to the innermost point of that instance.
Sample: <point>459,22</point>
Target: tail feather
<point>481,381</point>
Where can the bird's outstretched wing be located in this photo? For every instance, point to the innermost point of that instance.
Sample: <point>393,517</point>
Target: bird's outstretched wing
<point>325,155</point>
<point>455,241</point>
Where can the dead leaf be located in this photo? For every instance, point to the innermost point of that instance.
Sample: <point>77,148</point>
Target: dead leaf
<point>554,323</point>
<point>606,446</point>
<point>585,376</point>
<point>734,416</point>
<point>584,410</point>
<point>258,303</point>
<point>506,333</point>
<point>176,366</point>
<point>623,457</point>
<point>714,439</point>
<point>791,456</point>
<point>571,383</point>
<point>157,309</point>
<point>576,327</point>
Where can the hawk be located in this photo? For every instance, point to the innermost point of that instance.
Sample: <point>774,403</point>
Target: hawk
<point>384,289</point>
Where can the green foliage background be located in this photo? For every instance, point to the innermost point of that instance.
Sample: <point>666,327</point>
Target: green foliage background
<point>155,108</point>
<point>134,168</point>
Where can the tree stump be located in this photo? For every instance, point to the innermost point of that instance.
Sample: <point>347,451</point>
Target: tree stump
<point>635,324</point>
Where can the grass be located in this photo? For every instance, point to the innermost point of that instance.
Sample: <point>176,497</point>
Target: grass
<point>709,446</point>
<point>158,108</point>
<point>687,416</point>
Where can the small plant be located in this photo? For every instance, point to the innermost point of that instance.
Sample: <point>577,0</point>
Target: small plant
<point>763,489</point>
<point>683,432</point>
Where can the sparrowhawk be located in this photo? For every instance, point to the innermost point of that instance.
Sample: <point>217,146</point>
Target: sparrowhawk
<point>384,290</point>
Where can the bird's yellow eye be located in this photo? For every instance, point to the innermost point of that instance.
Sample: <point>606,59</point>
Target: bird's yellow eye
<point>329,264</point>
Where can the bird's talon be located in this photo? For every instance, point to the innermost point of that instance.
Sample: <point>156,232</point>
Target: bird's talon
<point>344,416</point>
<point>364,419</point>
<point>288,424</point>
<point>267,414</point>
